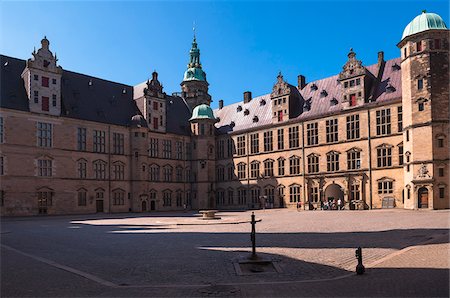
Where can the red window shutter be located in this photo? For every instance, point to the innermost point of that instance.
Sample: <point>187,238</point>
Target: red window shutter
<point>45,103</point>
<point>155,106</point>
<point>155,123</point>
<point>44,82</point>
<point>352,100</point>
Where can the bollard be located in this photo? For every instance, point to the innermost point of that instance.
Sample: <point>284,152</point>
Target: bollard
<point>360,267</point>
<point>253,238</point>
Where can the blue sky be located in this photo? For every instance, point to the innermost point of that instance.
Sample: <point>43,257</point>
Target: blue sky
<point>243,44</point>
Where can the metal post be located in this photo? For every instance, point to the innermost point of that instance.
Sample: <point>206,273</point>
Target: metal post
<point>360,267</point>
<point>253,237</point>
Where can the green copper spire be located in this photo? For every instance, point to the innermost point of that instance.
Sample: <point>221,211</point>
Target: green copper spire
<point>194,71</point>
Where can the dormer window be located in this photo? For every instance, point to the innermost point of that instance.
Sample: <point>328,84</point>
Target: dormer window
<point>232,124</point>
<point>46,63</point>
<point>246,112</point>
<point>262,102</point>
<point>390,88</point>
<point>124,91</point>
<point>307,105</point>
<point>90,83</point>
<point>345,84</point>
<point>395,67</point>
<point>323,93</point>
<point>358,82</point>
<point>333,101</point>
<point>218,119</point>
<point>239,108</point>
<point>36,77</point>
<point>314,87</point>
<point>255,119</point>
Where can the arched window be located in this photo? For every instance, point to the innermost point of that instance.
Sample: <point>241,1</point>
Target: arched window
<point>332,161</point>
<point>118,197</point>
<point>294,193</point>
<point>82,194</point>
<point>254,169</point>
<point>384,155</point>
<point>100,169</point>
<point>242,168</point>
<point>82,168</point>
<point>294,165</point>
<point>313,163</point>
<point>281,164</point>
<point>354,159</point>
<point>268,168</point>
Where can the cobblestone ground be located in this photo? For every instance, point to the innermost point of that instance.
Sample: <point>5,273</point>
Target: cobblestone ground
<point>176,254</point>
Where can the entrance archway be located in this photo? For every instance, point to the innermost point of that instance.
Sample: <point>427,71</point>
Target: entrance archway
<point>333,193</point>
<point>422,195</point>
<point>144,206</point>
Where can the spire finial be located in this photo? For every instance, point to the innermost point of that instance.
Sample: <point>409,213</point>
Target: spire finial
<point>193,29</point>
<point>424,11</point>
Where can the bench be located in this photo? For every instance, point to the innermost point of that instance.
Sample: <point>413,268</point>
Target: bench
<point>209,214</point>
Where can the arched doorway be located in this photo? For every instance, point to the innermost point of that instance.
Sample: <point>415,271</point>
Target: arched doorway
<point>422,194</point>
<point>144,206</point>
<point>333,193</point>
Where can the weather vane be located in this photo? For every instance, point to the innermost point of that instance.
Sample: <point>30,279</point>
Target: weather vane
<point>193,28</point>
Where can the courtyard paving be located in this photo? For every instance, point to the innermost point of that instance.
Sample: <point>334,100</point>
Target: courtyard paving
<point>406,253</point>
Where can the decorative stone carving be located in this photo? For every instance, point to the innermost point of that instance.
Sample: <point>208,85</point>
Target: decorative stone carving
<point>280,87</point>
<point>352,68</point>
<point>423,172</point>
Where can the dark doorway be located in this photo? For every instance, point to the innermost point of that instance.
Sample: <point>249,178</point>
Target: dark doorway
<point>144,206</point>
<point>423,197</point>
<point>99,205</point>
<point>152,206</point>
<point>333,193</point>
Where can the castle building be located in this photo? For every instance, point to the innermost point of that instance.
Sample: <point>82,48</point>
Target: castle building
<point>374,136</point>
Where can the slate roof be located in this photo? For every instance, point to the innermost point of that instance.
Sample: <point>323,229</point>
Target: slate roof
<point>320,106</point>
<point>102,101</point>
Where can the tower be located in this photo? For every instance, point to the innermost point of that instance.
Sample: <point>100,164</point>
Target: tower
<point>194,86</point>
<point>42,80</point>
<point>425,99</point>
<point>155,104</point>
<point>203,155</point>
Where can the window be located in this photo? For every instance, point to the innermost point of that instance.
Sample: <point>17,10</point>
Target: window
<point>167,149</point>
<point>202,129</point>
<point>230,197</point>
<point>268,142</point>
<point>400,154</point>
<point>384,156</point>
<point>179,150</point>
<point>154,173</point>
<point>220,148</point>
<point>352,127</point>
<point>155,122</point>
<point>45,103</point>
<point>36,77</point>
<point>189,151</point>
<point>312,133</point>
<point>441,172</point>
<point>241,170</point>
<point>1,130</point>
<point>332,161</point>
<point>99,141</point>
<point>440,142</point>
<point>254,194</point>
<point>437,44</point>
<point>358,82</point>
<point>36,96</point>
<point>383,122</point>
<point>44,167</point>
<point>44,82</point>
<point>268,168</point>
<point>280,136</point>
<point>241,145</point>
<point>294,165</point>
<point>81,139</point>
<point>254,169</point>
<point>44,134</point>
<point>230,172</point>
<point>179,198</point>
<point>354,159</point>
<point>354,192</point>
<point>419,46</point>
<point>280,116</point>
<point>54,81</point>
<point>100,170</point>
<point>332,130</point>
<point>220,173</point>
<point>400,119</point>
<point>54,100</point>
<point>294,193</point>
<point>118,143</point>
<point>441,192</point>
<point>153,151</point>
<point>118,197</point>
<point>419,84</point>
<point>167,198</point>
<point>2,165</point>
<point>230,147</point>
<point>421,106</point>
<point>385,186</point>
<point>82,169</point>
<point>82,197</point>
<point>167,172</point>
<point>179,174</point>
<point>254,143</point>
<point>119,171</point>
<point>242,196</point>
<point>314,194</point>
<point>155,105</point>
<point>281,162</point>
<point>293,137</point>
<point>313,163</point>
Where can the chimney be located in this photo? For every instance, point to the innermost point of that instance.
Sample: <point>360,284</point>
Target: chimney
<point>380,65</point>
<point>301,82</point>
<point>380,57</point>
<point>247,96</point>
<point>220,104</point>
